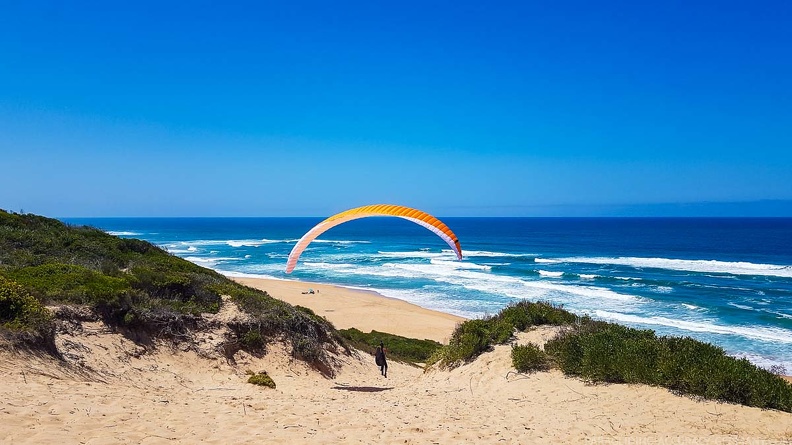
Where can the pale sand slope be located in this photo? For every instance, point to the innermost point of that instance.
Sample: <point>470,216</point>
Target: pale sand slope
<point>170,396</point>
<point>364,310</point>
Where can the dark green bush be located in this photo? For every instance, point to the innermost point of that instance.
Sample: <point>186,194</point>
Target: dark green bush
<point>607,352</point>
<point>529,358</point>
<point>20,311</point>
<point>473,337</point>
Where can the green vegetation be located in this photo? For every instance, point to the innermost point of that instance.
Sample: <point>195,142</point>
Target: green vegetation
<point>399,348</point>
<point>472,338</point>
<point>529,358</point>
<point>20,312</point>
<point>607,352</point>
<point>139,288</point>
<point>261,379</point>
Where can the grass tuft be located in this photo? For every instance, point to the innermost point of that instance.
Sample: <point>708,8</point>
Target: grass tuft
<point>261,379</point>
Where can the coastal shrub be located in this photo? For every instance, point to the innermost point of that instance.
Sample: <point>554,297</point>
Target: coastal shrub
<point>524,314</point>
<point>606,352</point>
<point>474,337</point>
<point>70,283</point>
<point>252,340</point>
<point>529,358</point>
<point>261,379</point>
<point>399,348</point>
<point>144,290</point>
<point>20,311</point>
<point>23,319</point>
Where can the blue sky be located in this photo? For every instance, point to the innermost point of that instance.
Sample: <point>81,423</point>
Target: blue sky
<point>457,108</point>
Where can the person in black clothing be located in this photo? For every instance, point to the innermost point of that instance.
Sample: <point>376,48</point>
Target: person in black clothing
<point>382,362</point>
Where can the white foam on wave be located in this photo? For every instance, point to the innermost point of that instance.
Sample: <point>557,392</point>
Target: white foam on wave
<point>768,363</point>
<point>460,265</point>
<point>460,274</point>
<point>484,253</point>
<point>332,241</point>
<point>628,278</point>
<point>662,289</point>
<point>757,333</point>
<point>692,307</point>
<point>192,249</point>
<point>546,261</point>
<point>704,266</point>
<point>741,306</point>
<point>235,274</point>
<point>585,276</point>
<point>417,254</point>
<point>123,233</point>
<point>209,260</point>
<point>551,274</point>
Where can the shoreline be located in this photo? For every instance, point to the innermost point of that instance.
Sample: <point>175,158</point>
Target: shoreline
<point>361,309</point>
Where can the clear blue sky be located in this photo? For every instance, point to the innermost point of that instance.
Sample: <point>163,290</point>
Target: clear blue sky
<point>458,108</point>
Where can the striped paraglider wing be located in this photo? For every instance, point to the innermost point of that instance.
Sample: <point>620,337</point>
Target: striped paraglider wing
<point>421,218</point>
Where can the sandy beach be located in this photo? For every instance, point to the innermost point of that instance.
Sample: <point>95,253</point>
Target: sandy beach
<point>116,393</point>
<point>360,309</point>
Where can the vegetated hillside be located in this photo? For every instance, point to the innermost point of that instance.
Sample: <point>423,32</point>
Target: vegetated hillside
<point>136,287</point>
<point>607,352</point>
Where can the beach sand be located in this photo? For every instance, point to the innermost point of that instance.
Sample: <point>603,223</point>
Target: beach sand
<point>360,309</point>
<point>121,395</point>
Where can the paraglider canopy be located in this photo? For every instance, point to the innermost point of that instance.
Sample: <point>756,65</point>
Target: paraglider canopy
<point>421,218</point>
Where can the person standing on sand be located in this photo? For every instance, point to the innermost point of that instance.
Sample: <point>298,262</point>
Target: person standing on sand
<point>382,362</point>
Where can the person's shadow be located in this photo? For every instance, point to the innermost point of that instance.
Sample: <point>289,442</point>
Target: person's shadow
<point>362,388</point>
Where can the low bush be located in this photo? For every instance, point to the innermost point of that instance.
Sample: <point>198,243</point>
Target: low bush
<point>529,358</point>
<point>261,379</point>
<point>607,352</point>
<point>474,337</point>
<point>20,311</point>
<point>23,319</point>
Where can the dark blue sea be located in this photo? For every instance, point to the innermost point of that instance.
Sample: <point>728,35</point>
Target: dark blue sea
<point>723,280</point>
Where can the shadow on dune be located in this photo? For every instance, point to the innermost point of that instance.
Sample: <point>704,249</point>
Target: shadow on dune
<point>362,388</point>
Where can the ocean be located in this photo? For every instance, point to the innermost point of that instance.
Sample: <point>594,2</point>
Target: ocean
<point>727,281</point>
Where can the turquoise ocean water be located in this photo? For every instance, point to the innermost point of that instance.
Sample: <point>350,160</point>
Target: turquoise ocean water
<point>723,280</point>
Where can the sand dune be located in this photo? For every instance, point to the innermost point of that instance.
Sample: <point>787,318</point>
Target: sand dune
<point>118,393</point>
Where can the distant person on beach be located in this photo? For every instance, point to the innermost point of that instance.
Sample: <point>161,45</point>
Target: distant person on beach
<point>382,362</point>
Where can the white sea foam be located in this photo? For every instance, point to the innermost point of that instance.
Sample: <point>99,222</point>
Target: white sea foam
<point>704,266</point>
<point>192,249</point>
<point>692,307</point>
<point>460,265</point>
<point>484,253</point>
<point>456,273</point>
<point>123,233</point>
<point>546,261</point>
<point>757,333</point>
<point>551,274</point>
<point>417,254</point>
<point>332,241</point>
<point>741,306</point>
<point>662,289</point>
<point>585,276</point>
<point>768,362</point>
<point>209,260</point>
